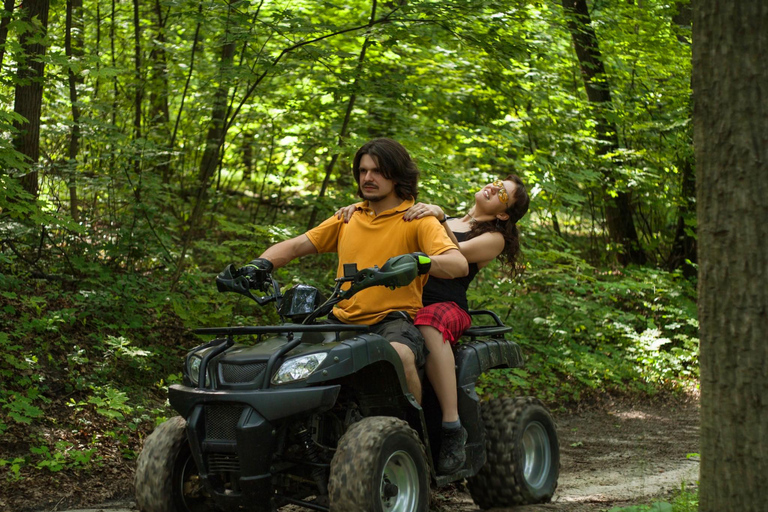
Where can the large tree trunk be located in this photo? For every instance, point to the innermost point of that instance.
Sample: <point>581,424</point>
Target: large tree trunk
<point>618,209</point>
<point>73,47</point>
<point>28,100</point>
<point>731,147</point>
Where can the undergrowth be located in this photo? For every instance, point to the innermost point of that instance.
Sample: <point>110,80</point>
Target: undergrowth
<point>685,500</point>
<point>587,330</point>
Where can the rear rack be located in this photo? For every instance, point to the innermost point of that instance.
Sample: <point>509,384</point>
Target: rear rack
<point>487,331</point>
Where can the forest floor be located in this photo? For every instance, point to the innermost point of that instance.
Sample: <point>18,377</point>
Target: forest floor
<point>614,453</point>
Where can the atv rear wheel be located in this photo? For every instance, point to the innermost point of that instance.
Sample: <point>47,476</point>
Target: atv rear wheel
<point>166,478</point>
<point>523,454</point>
<point>379,466</point>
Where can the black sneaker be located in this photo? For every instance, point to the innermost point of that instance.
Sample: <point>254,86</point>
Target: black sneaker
<point>452,456</point>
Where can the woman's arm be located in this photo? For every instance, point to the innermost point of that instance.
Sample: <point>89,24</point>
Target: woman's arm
<point>449,265</point>
<point>482,249</point>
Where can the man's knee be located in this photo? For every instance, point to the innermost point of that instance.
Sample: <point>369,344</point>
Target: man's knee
<point>406,354</point>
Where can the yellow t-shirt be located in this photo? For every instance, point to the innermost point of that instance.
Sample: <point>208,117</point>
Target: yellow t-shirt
<point>369,239</point>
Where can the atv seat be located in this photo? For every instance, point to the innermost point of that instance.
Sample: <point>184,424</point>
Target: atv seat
<point>486,331</point>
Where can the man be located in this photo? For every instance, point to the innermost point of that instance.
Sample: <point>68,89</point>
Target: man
<point>387,180</point>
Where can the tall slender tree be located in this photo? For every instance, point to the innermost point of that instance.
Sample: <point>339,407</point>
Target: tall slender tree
<point>214,139</point>
<point>618,205</point>
<point>5,19</point>
<point>731,148</point>
<point>347,115</point>
<point>73,47</point>
<point>28,97</point>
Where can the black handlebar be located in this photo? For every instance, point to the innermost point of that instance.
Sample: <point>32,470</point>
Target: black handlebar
<point>397,271</point>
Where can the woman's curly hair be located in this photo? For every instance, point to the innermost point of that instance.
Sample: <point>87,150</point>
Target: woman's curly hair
<point>508,228</point>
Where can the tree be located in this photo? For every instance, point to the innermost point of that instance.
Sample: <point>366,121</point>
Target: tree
<point>618,207</point>
<point>731,149</point>
<point>73,46</point>
<point>28,99</point>
<point>5,19</point>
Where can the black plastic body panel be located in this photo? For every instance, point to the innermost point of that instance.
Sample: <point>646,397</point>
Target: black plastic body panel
<point>364,364</point>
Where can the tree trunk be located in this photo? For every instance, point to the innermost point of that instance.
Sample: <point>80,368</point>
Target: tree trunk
<point>684,244</point>
<point>159,117</point>
<point>731,148</point>
<point>215,137</point>
<point>138,94</point>
<point>73,47</point>
<point>5,19</point>
<point>28,100</point>
<point>618,209</point>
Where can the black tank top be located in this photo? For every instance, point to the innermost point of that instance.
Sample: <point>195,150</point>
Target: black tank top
<point>446,290</point>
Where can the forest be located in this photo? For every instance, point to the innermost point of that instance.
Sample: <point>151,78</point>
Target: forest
<point>146,145</point>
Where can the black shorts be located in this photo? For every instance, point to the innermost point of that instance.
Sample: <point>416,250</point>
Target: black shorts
<point>398,327</point>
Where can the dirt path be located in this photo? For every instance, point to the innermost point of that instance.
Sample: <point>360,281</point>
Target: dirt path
<point>619,455</point>
<point>614,455</point>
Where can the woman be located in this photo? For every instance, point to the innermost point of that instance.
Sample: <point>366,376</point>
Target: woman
<point>486,232</point>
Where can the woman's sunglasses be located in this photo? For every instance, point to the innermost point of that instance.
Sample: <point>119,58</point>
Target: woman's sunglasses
<point>502,193</point>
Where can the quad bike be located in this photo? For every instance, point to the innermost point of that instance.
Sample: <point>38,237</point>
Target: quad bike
<point>318,415</point>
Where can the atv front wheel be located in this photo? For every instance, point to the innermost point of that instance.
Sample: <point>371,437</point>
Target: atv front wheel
<point>523,454</point>
<point>379,466</point>
<point>166,478</point>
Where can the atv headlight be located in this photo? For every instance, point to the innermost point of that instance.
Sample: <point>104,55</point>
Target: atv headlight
<point>298,368</point>
<point>193,368</point>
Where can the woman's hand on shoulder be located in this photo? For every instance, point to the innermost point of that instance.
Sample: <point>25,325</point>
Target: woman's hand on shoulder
<point>345,212</point>
<point>422,210</point>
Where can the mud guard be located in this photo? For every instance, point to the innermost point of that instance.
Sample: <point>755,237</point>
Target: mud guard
<point>472,360</point>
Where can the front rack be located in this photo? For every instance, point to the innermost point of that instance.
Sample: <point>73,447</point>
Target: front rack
<point>279,329</point>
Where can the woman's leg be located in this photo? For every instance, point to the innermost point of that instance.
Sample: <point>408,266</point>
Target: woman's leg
<point>441,371</point>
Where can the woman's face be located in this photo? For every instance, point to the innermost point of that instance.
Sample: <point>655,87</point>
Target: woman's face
<point>495,198</point>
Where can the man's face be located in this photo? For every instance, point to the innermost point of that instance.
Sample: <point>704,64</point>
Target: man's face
<point>373,184</point>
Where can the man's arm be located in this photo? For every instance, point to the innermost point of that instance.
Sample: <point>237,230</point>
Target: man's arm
<point>284,252</point>
<point>449,265</point>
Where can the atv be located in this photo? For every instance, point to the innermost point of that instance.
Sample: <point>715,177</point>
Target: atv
<point>318,415</point>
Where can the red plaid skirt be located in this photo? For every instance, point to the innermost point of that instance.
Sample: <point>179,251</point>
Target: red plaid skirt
<point>446,317</point>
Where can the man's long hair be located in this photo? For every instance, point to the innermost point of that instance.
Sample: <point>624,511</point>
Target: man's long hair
<point>394,163</point>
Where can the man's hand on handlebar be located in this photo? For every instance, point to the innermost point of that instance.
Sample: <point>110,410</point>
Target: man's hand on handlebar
<point>256,271</point>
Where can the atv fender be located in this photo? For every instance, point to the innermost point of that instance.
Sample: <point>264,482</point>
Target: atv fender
<point>473,359</point>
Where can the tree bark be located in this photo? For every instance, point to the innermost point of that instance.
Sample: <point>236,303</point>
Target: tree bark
<point>731,149</point>
<point>73,48</point>
<point>618,209</point>
<point>5,19</point>
<point>28,99</point>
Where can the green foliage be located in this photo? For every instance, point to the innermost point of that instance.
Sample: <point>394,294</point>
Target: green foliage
<point>655,507</point>
<point>686,500</point>
<point>586,330</point>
